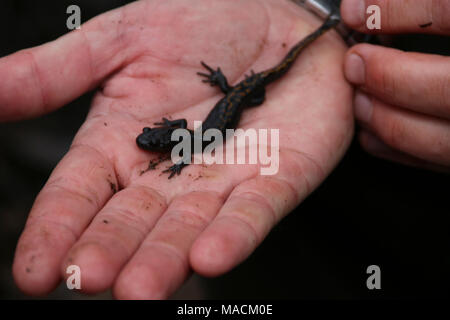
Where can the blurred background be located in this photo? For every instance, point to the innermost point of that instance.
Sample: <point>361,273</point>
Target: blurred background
<point>367,212</point>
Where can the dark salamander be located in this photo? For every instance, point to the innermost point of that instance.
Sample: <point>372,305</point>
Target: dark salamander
<point>226,113</point>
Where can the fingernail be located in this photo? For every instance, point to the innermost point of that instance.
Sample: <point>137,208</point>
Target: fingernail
<point>363,107</point>
<point>353,12</point>
<point>355,70</point>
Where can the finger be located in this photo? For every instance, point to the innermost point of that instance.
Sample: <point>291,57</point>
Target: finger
<point>55,73</point>
<point>113,236</point>
<point>415,81</point>
<point>399,16</point>
<point>418,135</point>
<point>161,264</point>
<point>250,212</point>
<point>378,148</point>
<point>78,187</point>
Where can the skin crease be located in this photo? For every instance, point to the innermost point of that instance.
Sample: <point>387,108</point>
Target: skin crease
<point>402,101</point>
<point>145,240</point>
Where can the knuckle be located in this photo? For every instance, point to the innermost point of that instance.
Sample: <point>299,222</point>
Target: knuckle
<point>383,77</point>
<point>187,219</point>
<point>203,204</point>
<point>440,147</point>
<point>71,187</point>
<point>388,83</point>
<point>253,232</point>
<point>139,198</point>
<point>257,203</point>
<point>440,14</point>
<point>442,87</point>
<point>391,13</point>
<point>445,90</point>
<point>393,132</point>
<point>130,219</point>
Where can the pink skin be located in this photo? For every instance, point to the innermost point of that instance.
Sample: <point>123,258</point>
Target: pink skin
<point>146,239</point>
<point>403,99</point>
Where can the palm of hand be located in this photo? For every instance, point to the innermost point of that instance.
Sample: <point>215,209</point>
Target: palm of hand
<point>144,239</point>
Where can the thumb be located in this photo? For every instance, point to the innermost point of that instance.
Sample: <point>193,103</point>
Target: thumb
<point>41,79</point>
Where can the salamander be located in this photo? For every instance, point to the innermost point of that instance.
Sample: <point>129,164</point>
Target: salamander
<point>227,111</point>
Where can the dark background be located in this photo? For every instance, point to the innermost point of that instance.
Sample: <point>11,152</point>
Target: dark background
<point>368,211</point>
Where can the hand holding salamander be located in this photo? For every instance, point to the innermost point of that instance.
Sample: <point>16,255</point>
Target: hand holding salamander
<point>226,113</point>
<point>142,235</point>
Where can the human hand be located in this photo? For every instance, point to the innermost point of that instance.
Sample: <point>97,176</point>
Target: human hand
<point>403,99</point>
<point>145,239</point>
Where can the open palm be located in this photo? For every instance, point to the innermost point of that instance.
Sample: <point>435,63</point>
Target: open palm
<point>143,234</point>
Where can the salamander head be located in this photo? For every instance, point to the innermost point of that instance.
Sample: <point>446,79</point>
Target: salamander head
<point>156,139</point>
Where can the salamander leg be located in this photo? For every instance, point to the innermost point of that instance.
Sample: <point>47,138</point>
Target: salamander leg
<point>252,73</point>
<point>215,78</point>
<point>258,98</point>
<point>153,163</point>
<point>180,123</point>
<point>176,169</point>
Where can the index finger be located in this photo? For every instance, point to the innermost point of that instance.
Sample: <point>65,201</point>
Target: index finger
<point>423,16</point>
